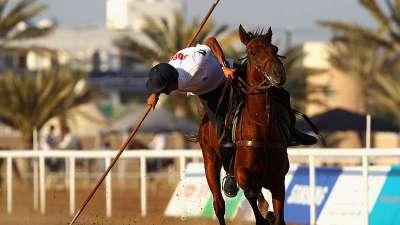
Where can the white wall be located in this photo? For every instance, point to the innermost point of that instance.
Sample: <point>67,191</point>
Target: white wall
<point>124,14</point>
<point>117,14</point>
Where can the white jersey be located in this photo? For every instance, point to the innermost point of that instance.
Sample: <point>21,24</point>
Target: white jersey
<point>199,70</point>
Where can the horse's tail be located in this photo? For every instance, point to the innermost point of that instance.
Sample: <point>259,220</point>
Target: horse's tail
<point>191,137</point>
<point>313,127</point>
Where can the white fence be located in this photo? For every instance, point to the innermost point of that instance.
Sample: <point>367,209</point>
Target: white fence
<point>182,155</point>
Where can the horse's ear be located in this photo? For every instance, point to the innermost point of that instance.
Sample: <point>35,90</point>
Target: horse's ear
<point>268,36</point>
<point>243,35</point>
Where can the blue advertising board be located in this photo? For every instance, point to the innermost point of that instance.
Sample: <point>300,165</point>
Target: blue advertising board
<point>297,201</point>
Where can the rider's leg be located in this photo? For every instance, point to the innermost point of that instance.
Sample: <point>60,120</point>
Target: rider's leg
<point>298,137</point>
<point>229,185</point>
<point>302,138</point>
<point>217,116</point>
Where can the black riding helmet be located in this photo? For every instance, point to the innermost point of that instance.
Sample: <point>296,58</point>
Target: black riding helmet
<point>160,76</point>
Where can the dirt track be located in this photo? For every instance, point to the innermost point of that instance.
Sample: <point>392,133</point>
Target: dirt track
<point>126,207</point>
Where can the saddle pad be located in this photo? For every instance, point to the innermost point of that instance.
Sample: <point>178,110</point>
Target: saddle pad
<point>235,120</point>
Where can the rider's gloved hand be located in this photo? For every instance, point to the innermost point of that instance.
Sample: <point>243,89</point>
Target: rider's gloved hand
<point>152,100</point>
<point>229,72</point>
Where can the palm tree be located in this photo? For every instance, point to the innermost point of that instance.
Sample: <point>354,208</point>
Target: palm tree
<point>387,96</point>
<point>29,101</point>
<point>371,54</point>
<point>386,35</point>
<point>16,24</point>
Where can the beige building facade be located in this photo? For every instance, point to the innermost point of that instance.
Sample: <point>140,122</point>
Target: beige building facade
<point>344,92</point>
<point>344,89</point>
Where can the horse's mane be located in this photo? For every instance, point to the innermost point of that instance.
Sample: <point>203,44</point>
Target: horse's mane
<point>258,32</point>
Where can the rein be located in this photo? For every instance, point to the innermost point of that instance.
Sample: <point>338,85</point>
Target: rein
<point>252,89</point>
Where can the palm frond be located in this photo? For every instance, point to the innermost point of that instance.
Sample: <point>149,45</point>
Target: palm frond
<point>31,100</point>
<point>3,4</point>
<point>374,9</point>
<point>167,38</point>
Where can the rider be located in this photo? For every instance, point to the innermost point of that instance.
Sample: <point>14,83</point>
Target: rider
<point>197,70</point>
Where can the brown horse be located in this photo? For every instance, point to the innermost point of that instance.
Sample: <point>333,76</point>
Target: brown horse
<point>261,159</point>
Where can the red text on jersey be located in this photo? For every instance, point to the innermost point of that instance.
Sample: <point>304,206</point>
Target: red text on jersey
<point>179,56</point>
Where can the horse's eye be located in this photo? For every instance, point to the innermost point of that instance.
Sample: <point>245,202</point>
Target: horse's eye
<point>253,53</point>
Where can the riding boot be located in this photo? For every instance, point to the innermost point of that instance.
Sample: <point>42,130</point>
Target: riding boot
<point>229,185</point>
<point>300,138</point>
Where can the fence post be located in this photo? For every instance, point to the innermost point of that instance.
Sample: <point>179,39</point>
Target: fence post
<point>35,171</point>
<point>143,191</point>
<point>108,189</point>
<point>365,165</point>
<point>365,182</point>
<point>42,184</point>
<point>9,185</point>
<point>312,189</point>
<point>182,161</point>
<point>71,185</point>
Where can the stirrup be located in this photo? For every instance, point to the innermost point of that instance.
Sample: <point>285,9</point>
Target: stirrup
<point>230,193</point>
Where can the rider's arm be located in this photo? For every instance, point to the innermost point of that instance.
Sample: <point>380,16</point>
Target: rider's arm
<point>219,54</point>
<point>216,49</point>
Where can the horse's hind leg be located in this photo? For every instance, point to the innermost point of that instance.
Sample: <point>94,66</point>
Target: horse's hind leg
<point>213,168</point>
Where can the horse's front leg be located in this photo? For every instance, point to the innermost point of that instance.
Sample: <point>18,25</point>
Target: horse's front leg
<point>262,204</point>
<point>278,204</point>
<point>248,178</point>
<point>251,196</point>
<point>213,168</point>
<point>281,166</point>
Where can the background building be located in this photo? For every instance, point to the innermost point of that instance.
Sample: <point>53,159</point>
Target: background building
<point>129,14</point>
<point>344,93</point>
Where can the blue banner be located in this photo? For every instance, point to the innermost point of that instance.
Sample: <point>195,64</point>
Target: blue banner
<point>297,194</point>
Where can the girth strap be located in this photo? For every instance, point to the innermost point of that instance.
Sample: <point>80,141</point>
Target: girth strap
<point>250,143</point>
<point>258,144</point>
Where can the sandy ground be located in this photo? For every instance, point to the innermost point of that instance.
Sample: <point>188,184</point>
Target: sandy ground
<point>126,206</point>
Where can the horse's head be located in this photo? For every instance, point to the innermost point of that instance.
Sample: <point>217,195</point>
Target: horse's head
<point>263,55</point>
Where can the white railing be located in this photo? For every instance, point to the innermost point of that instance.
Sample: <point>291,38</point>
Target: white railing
<point>182,155</point>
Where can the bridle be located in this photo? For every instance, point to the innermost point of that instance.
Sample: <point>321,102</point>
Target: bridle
<point>260,88</point>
